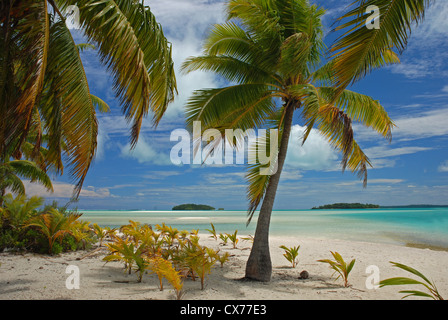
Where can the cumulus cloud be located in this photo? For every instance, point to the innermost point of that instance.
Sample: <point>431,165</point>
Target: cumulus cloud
<point>315,154</point>
<point>144,152</point>
<point>185,24</point>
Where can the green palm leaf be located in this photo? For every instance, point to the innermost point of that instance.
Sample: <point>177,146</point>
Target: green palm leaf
<point>360,50</point>
<point>132,45</point>
<point>397,281</point>
<point>68,112</point>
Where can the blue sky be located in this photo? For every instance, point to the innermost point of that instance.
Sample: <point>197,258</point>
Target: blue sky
<point>412,169</point>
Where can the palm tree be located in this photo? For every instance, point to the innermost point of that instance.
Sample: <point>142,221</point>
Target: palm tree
<point>271,53</point>
<point>359,50</point>
<point>41,73</point>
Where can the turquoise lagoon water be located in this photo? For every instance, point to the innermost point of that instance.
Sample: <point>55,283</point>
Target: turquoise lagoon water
<point>398,225</point>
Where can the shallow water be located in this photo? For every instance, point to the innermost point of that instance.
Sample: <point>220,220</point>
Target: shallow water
<point>402,225</point>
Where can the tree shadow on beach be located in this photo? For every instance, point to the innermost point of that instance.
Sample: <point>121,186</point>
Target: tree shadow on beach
<point>11,287</point>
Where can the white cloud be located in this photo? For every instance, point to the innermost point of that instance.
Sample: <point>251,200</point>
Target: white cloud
<point>384,152</point>
<point>443,167</point>
<point>145,153</point>
<point>160,175</point>
<point>426,54</point>
<point>416,126</point>
<point>315,154</point>
<point>224,178</point>
<point>65,190</point>
<point>435,24</point>
<point>185,24</point>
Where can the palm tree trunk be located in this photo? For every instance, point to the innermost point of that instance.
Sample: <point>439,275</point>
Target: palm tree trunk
<point>259,266</point>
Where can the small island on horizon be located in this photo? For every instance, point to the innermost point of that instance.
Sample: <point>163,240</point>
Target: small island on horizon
<point>374,206</point>
<point>192,206</point>
<point>347,206</point>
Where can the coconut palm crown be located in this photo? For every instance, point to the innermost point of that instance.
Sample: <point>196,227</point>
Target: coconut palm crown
<point>43,84</point>
<point>271,53</point>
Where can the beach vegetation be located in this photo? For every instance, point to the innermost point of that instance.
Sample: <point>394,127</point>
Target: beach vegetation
<point>224,237</point>
<point>340,267</point>
<point>249,238</point>
<point>102,233</point>
<point>25,226</point>
<point>222,258</point>
<point>164,269</point>
<point>430,286</point>
<point>213,232</point>
<point>53,225</point>
<point>198,259</point>
<point>169,253</point>
<point>233,238</point>
<point>291,254</point>
<point>273,55</point>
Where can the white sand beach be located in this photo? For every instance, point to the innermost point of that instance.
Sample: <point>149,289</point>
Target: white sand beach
<point>32,276</point>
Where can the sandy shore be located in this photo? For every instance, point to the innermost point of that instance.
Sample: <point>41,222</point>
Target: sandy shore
<point>33,277</point>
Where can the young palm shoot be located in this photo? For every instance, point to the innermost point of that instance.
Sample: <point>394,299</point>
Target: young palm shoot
<point>233,238</point>
<point>429,285</point>
<point>213,232</point>
<point>340,267</point>
<point>291,254</point>
<point>224,238</point>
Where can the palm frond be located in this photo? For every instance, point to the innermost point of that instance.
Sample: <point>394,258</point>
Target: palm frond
<point>67,107</point>
<point>29,170</point>
<point>132,45</point>
<point>359,49</point>
<point>24,47</point>
<point>361,108</point>
<point>102,106</point>
<point>241,106</point>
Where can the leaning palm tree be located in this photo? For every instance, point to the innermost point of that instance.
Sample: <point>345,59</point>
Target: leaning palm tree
<point>271,52</point>
<point>41,73</point>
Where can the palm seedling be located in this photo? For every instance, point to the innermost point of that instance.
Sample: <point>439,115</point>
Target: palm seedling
<point>164,269</point>
<point>397,281</point>
<point>213,232</point>
<point>291,254</point>
<point>125,250</point>
<point>199,259</point>
<point>222,258</point>
<point>233,238</point>
<point>224,238</point>
<point>340,267</point>
<point>100,233</point>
